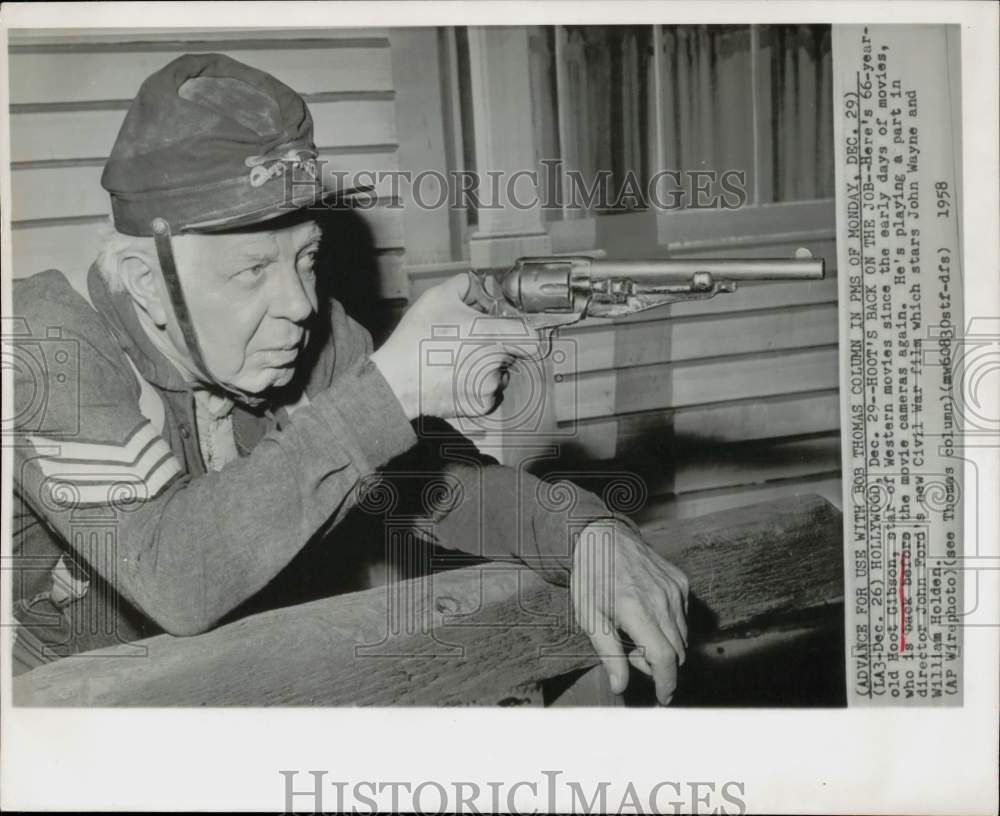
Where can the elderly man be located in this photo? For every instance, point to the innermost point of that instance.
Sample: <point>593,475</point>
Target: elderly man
<point>219,418</point>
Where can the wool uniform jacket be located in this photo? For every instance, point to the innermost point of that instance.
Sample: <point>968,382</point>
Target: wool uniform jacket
<point>121,531</point>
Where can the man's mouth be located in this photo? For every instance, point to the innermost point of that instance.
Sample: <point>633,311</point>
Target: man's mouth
<point>280,356</point>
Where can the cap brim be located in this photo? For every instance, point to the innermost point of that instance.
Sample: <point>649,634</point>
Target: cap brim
<point>325,199</point>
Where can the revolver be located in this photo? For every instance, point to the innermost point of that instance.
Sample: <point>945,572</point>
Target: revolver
<point>559,290</point>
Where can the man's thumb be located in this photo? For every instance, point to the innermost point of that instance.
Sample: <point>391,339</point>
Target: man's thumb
<point>458,285</point>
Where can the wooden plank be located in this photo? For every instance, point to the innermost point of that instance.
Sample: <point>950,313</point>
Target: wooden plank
<point>451,99</point>
<point>591,688</point>
<point>42,192</point>
<point>676,340</point>
<point>573,234</point>
<point>469,634</point>
<point>740,465</point>
<point>420,113</point>
<point>677,229</point>
<point>89,134</point>
<point>653,232</point>
<point>740,421</point>
<point>766,247</point>
<point>75,37</point>
<point>763,134</point>
<point>81,134</point>
<point>716,501</point>
<point>499,76</point>
<point>666,469</point>
<point>648,388</point>
<point>70,248</point>
<point>391,283</point>
<point>37,77</point>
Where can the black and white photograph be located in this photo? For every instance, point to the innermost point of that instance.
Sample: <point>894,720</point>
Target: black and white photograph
<point>619,367</point>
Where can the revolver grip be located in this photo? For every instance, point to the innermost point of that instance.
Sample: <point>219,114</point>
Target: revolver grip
<point>486,295</point>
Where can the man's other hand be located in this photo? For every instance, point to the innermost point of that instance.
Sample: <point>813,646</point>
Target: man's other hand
<point>456,371</point>
<point>620,583</point>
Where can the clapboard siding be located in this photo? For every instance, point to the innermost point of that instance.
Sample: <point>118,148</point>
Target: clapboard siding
<point>661,341</point>
<point>717,402</point>
<point>73,39</point>
<point>698,382</point>
<point>661,509</point>
<point>717,424</point>
<point>741,464</point>
<point>49,135</point>
<point>69,96</point>
<point>40,191</point>
<point>758,365</point>
<point>71,244</point>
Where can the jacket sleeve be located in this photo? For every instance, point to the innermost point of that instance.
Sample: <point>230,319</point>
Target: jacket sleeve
<point>493,511</point>
<point>186,550</point>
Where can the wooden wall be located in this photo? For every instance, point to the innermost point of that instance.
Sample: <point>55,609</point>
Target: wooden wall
<point>69,95</point>
<point>715,404</point>
<point>725,401</point>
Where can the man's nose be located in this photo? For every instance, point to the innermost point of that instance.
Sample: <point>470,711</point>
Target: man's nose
<point>294,298</point>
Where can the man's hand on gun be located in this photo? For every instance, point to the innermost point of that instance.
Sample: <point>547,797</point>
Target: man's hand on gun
<point>445,389</point>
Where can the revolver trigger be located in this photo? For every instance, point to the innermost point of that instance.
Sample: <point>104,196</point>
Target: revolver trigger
<point>474,296</point>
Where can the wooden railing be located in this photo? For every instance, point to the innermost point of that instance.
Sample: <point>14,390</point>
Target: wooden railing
<point>486,635</point>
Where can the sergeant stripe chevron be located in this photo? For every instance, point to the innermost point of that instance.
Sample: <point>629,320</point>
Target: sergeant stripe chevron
<point>89,471</point>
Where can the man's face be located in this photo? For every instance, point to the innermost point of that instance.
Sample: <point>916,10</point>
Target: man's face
<point>251,295</point>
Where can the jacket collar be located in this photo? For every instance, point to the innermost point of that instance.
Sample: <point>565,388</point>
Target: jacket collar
<point>118,312</point>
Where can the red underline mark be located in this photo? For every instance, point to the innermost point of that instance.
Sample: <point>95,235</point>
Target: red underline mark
<point>902,603</point>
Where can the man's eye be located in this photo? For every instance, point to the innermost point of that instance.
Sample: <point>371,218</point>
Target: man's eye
<point>251,273</point>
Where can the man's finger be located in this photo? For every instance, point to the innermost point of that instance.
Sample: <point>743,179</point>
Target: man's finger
<point>609,649</point>
<point>637,659</point>
<point>667,621</point>
<point>682,582</point>
<point>658,651</point>
<point>675,611</point>
<point>679,607</point>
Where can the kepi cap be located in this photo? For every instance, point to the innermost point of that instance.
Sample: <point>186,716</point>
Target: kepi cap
<point>210,144</point>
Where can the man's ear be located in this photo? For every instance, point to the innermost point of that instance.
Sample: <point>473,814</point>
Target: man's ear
<point>140,280</point>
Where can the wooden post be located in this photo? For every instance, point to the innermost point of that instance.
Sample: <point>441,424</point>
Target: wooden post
<point>499,67</point>
<point>493,628</point>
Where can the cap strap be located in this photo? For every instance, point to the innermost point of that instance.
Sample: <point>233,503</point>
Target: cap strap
<point>164,251</point>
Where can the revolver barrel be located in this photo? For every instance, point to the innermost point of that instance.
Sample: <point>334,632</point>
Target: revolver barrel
<point>653,271</point>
